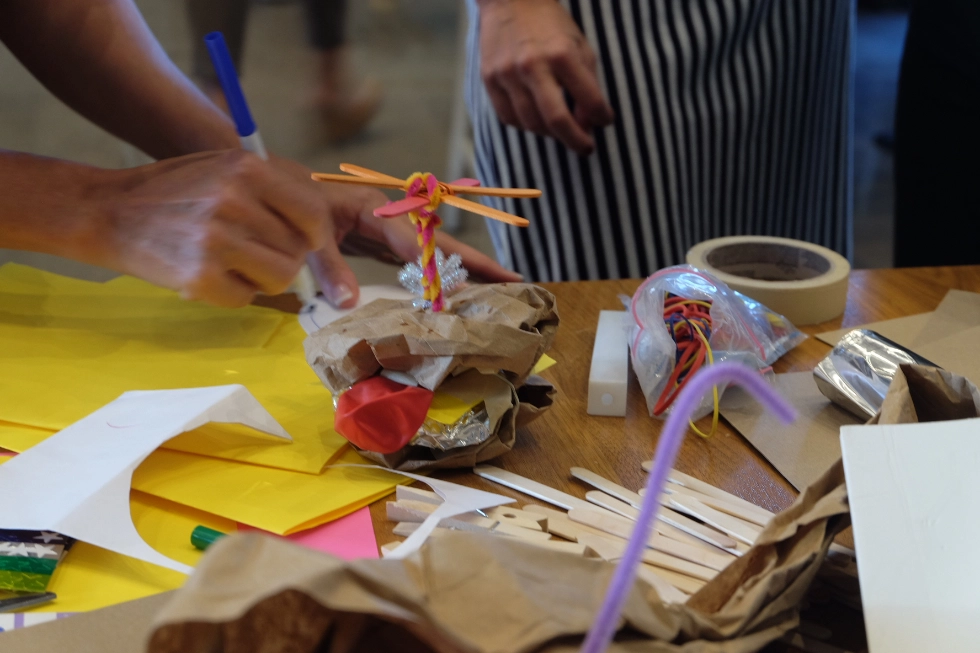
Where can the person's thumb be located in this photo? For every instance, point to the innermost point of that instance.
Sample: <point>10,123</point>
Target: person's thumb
<point>336,279</point>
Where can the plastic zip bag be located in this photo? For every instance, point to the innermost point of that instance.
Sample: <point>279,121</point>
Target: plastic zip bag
<point>742,330</point>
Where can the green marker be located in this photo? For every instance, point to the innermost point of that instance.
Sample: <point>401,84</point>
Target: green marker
<point>202,537</point>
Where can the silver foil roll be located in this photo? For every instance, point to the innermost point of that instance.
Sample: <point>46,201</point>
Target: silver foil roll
<point>856,374</point>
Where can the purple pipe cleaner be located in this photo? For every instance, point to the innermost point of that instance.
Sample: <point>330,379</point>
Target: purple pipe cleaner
<point>671,437</point>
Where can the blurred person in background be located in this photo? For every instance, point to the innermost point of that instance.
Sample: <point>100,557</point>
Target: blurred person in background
<point>937,136</point>
<point>652,125</point>
<point>346,105</point>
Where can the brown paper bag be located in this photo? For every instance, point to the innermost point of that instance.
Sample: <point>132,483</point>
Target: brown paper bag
<point>495,328</point>
<point>927,394</point>
<point>484,593</point>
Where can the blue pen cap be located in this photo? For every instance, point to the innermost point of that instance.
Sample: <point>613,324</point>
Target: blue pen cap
<point>228,78</point>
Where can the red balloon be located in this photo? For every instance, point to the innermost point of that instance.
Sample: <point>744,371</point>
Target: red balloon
<point>381,415</point>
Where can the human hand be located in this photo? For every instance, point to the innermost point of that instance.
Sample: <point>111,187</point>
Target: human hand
<point>532,53</point>
<point>216,226</point>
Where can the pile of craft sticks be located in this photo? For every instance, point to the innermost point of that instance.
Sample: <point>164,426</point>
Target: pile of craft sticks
<point>699,531</point>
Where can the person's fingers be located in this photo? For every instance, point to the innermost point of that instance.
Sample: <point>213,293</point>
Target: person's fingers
<point>336,279</point>
<point>297,202</point>
<point>501,103</point>
<point>579,78</point>
<point>476,262</point>
<point>254,222</point>
<point>267,269</point>
<point>220,287</point>
<point>558,119</point>
<point>520,97</point>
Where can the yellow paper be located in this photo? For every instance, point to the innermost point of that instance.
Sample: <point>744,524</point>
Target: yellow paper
<point>20,438</point>
<point>284,384</point>
<point>274,500</point>
<point>543,363</point>
<point>445,408</point>
<point>156,318</point>
<point>89,578</point>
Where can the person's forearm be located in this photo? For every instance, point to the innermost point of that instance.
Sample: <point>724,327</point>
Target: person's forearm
<point>99,57</point>
<point>52,206</point>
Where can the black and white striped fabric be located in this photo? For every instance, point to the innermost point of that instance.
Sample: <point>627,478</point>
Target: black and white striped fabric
<point>732,117</point>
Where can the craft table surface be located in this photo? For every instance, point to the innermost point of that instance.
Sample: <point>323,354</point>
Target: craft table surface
<point>566,436</point>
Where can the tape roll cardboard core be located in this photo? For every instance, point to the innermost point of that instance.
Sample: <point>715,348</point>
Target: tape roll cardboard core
<point>805,282</point>
<point>768,261</point>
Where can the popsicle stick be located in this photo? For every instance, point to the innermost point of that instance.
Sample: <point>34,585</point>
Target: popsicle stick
<point>561,526</point>
<point>515,517</point>
<point>732,526</point>
<point>529,193</point>
<point>417,511</point>
<point>742,509</point>
<point>612,551</point>
<point>758,517</point>
<point>521,533</point>
<point>680,478</point>
<point>409,493</point>
<point>680,581</point>
<point>361,171</point>
<point>389,547</point>
<point>480,209</point>
<point>607,486</point>
<point>357,181</point>
<point>667,524</point>
<point>530,488</point>
<point>622,527</point>
<point>667,592</point>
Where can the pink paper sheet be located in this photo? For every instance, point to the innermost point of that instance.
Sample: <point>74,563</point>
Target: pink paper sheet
<point>349,537</point>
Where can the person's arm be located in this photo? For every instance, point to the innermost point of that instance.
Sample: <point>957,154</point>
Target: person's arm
<point>100,58</point>
<point>217,226</point>
<point>531,55</point>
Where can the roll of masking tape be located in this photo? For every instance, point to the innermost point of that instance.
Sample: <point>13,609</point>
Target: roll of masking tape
<point>804,282</point>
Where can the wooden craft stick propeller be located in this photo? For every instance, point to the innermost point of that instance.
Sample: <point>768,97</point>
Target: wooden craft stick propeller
<point>423,195</point>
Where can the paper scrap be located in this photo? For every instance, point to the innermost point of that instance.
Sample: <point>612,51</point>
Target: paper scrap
<point>93,461</point>
<point>958,353</point>
<point>274,500</point>
<point>803,450</point>
<point>456,500</point>
<point>959,311</point>
<point>319,313</point>
<point>351,537</point>
<point>900,330</point>
<point>914,494</point>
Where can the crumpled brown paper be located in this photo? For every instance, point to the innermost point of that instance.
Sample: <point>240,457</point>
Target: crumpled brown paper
<point>494,328</point>
<point>927,394</point>
<point>481,593</point>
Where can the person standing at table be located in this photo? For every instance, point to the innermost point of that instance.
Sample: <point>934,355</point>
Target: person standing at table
<point>345,106</point>
<point>937,136</point>
<point>653,125</point>
<point>208,219</point>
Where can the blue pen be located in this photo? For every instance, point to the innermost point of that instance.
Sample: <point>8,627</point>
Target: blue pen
<point>248,134</point>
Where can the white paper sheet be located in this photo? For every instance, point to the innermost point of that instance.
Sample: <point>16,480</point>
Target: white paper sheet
<point>456,500</point>
<point>319,313</point>
<point>914,491</point>
<point>77,481</point>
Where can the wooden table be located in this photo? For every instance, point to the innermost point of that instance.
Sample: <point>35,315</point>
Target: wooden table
<point>566,436</point>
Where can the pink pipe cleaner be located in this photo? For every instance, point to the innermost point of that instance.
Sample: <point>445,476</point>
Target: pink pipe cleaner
<point>604,627</point>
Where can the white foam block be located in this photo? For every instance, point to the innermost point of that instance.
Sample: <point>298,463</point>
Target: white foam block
<point>609,375</point>
<point>914,494</point>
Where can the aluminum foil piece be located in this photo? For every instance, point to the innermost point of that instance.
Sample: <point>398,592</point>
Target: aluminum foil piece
<point>472,428</point>
<point>856,374</point>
